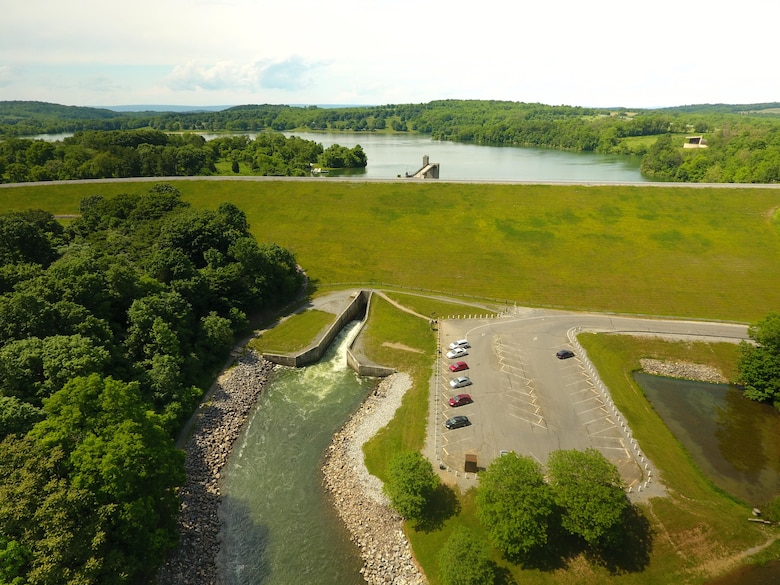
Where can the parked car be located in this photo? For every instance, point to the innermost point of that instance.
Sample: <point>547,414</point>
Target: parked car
<point>460,343</point>
<point>457,352</point>
<point>460,400</point>
<point>564,354</point>
<point>460,382</point>
<point>459,367</point>
<point>457,421</point>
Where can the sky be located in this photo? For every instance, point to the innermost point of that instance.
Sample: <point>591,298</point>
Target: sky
<point>595,53</point>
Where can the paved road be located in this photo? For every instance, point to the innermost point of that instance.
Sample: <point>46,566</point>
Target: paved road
<point>527,400</point>
<point>395,180</point>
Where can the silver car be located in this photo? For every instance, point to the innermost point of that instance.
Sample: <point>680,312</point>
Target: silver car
<point>460,382</point>
<point>458,352</point>
<point>460,343</point>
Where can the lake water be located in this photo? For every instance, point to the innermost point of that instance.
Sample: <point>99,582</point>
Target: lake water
<point>393,155</point>
<point>732,439</point>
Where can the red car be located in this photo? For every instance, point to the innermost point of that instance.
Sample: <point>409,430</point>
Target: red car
<point>458,366</point>
<point>460,400</point>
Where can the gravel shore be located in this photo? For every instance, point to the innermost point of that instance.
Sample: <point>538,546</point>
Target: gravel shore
<point>683,370</point>
<point>219,424</point>
<point>357,495</point>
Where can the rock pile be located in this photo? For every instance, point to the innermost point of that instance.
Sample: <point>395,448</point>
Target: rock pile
<point>684,370</point>
<point>220,421</point>
<point>357,495</point>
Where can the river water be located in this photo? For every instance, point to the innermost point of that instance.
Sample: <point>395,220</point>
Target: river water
<point>278,525</point>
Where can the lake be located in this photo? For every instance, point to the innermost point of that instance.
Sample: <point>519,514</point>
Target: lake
<point>395,155</point>
<point>733,440</point>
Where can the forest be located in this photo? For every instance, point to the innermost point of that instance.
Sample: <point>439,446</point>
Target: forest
<point>111,327</point>
<point>743,141</point>
<point>95,154</point>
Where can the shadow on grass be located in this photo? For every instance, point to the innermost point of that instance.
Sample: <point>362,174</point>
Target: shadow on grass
<point>630,551</point>
<point>627,552</point>
<point>443,505</point>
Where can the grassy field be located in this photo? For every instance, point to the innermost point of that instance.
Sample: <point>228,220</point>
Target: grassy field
<point>674,251</point>
<point>293,334</point>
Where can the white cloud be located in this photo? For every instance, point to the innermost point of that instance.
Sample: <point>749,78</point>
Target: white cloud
<point>597,53</point>
<point>291,74</point>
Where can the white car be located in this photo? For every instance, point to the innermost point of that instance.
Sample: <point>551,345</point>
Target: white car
<point>460,343</point>
<point>458,352</point>
<point>460,382</point>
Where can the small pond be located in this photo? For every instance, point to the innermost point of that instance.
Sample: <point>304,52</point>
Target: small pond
<point>733,440</point>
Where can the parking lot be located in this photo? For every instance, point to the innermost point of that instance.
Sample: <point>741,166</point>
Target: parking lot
<point>527,400</point>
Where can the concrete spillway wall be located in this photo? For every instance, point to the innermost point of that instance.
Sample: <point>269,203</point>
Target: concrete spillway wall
<point>357,309</point>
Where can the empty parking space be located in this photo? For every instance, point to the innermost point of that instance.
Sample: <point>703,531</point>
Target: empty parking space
<point>525,400</point>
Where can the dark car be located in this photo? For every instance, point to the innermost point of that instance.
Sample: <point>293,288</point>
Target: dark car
<point>457,421</point>
<point>458,366</point>
<point>460,400</point>
<point>564,354</point>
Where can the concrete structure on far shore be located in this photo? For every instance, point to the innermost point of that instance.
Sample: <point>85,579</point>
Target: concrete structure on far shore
<point>695,142</point>
<point>428,170</point>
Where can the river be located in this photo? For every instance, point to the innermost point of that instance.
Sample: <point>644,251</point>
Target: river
<point>278,525</point>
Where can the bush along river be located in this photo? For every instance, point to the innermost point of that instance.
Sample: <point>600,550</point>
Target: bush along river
<point>278,526</point>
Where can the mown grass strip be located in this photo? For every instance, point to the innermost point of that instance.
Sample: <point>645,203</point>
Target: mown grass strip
<point>294,333</point>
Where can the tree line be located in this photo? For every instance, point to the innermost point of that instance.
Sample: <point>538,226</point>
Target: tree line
<point>743,143</point>
<point>93,154</point>
<point>110,330</point>
<point>532,516</point>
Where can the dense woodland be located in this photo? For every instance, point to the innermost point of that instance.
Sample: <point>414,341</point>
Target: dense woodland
<point>95,154</point>
<point>110,330</point>
<point>743,140</point>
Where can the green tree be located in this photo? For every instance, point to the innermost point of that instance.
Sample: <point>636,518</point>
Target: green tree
<point>34,368</point>
<point>515,505</point>
<point>46,515</point>
<point>23,241</point>
<point>119,453</point>
<point>759,362</point>
<point>465,560</point>
<point>17,416</point>
<point>589,491</point>
<point>13,558</point>
<point>411,484</point>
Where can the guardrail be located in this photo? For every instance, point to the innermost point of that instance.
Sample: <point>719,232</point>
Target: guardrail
<point>643,462</point>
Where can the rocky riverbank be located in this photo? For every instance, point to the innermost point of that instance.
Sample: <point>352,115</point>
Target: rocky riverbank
<point>684,370</point>
<point>357,495</point>
<point>219,424</point>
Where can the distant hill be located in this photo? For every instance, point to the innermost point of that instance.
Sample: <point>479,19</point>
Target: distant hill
<point>769,109</point>
<point>27,110</point>
<point>164,108</point>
